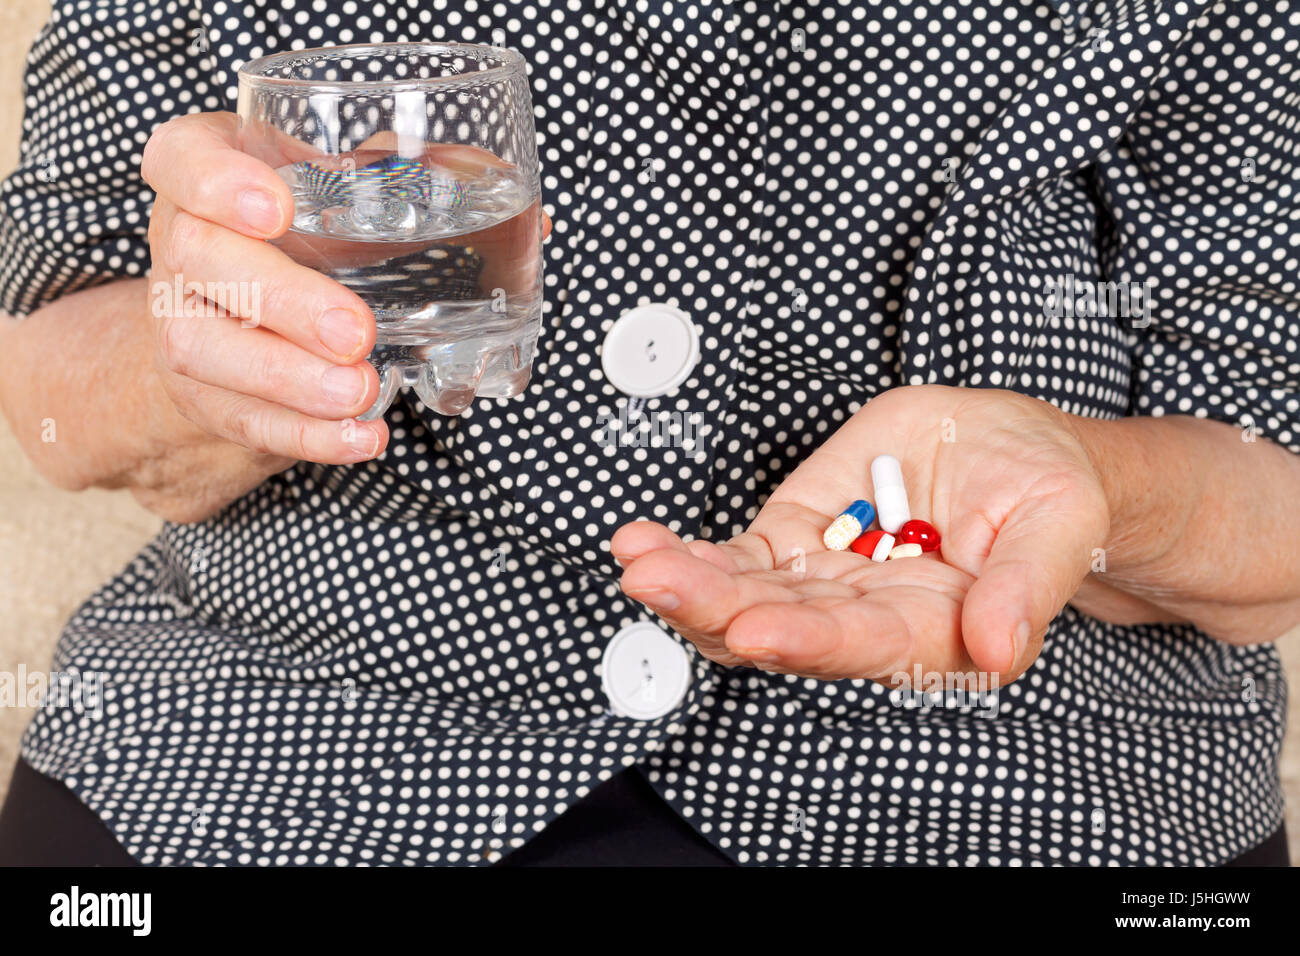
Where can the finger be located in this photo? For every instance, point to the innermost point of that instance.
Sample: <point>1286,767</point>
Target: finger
<point>714,554</point>
<point>202,342</point>
<point>641,537</point>
<point>783,533</point>
<point>910,613</point>
<point>192,161</point>
<point>519,234</point>
<point>692,594</point>
<point>271,429</point>
<point>750,551</point>
<point>830,640</point>
<point>1039,557</point>
<point>257,282</point>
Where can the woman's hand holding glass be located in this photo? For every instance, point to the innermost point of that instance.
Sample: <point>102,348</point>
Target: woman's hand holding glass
<point>288,381</point>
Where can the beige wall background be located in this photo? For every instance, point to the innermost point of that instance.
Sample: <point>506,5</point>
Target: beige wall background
<point>57,547</point>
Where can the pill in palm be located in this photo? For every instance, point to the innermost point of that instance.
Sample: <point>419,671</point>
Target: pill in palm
<point>866,543</point>
<point>848,525</point>
<point>905,551</point>
<point>876,545</point>
<point>920,532</point>
<point>890,492</point>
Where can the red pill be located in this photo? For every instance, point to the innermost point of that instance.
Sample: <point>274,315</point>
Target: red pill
<point>919,532</point>
<point>866,544</point>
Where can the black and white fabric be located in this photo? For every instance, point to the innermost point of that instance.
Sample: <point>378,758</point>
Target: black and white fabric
<point>401,662</point>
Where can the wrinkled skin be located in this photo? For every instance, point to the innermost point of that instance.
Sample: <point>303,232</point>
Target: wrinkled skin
<point>1013,493</point>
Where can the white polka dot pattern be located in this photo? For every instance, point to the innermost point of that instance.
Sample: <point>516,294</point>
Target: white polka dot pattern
<point>383,664</point>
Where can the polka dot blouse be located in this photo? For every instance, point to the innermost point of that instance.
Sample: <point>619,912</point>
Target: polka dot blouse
<point>400,662</point>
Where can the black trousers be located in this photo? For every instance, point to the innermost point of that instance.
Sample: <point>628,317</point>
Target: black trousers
<point>623,822</point>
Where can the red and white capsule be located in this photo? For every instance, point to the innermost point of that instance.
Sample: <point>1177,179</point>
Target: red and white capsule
<point>875,545</point>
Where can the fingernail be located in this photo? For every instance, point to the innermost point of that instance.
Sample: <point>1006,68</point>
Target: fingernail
<point>260,210</point>
<point>658,599</point>
<point>345,385</point>
<point>763,655</point>
<point>340,331</point>
<point>364,441</point>
<point>1019,641</point>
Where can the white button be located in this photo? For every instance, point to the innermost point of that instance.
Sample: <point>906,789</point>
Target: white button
<point>645,672</point>
<point>650,350</point>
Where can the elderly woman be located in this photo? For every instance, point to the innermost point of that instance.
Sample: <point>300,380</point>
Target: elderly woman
<point>1046,256</point>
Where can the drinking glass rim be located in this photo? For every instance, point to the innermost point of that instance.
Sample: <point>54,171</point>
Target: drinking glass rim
<point>513,62</point>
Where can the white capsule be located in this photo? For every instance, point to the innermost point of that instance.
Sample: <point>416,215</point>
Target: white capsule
<point>906,551</point>
<point>884,546</point>
<point>891,494</point>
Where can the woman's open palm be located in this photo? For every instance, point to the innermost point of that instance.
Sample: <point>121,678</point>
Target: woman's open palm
<point>1004,479</point>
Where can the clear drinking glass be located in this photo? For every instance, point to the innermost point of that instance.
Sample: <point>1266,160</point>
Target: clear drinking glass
<point>413,168</point>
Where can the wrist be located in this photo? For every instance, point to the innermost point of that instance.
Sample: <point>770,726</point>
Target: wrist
<point>1140,467</point>
<point>1097,442</point>
<point>84,425</point>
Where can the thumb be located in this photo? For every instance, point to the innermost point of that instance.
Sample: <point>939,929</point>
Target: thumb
<point>1039,557</point>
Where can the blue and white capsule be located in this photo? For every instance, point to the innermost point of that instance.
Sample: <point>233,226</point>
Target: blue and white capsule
<point>850,523</point>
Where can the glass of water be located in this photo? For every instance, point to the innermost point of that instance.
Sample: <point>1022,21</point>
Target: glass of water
<point>413,168</point>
